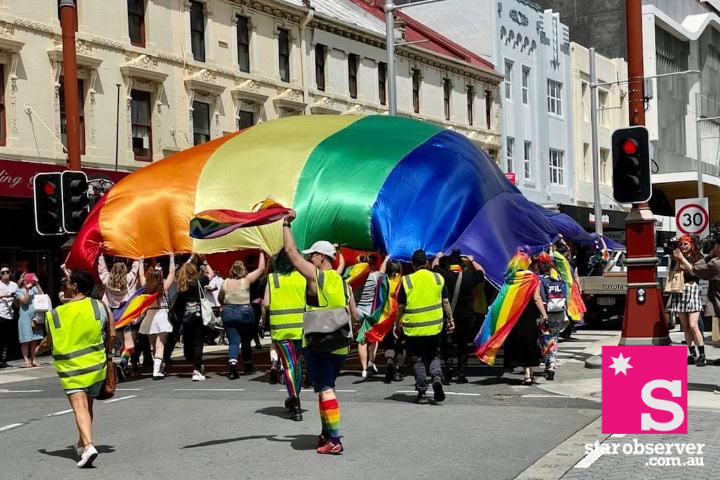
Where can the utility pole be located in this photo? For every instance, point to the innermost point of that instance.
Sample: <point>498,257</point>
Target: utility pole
<point>594,141</point>
<point>72,111</point>
<point>698,122</point>
<point>644,321</point>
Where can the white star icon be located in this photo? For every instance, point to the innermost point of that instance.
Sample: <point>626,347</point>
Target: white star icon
<point>621,364</point>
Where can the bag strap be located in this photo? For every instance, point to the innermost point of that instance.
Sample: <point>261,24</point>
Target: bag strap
<point>456,293</point>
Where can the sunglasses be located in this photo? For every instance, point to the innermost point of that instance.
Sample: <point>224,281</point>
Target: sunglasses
<point>5,272</point>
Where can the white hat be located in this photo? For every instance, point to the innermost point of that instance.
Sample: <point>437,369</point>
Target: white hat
<point>321,246</point>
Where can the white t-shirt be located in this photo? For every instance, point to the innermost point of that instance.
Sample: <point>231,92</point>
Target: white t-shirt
<point>216,282</point>
<point>367,297</point>
<point>6,303</point>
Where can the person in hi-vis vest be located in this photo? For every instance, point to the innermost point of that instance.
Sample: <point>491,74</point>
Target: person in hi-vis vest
<point>422,299</point>
<point>284,305</point>
<point>326,291</point>
<point>79,333</point>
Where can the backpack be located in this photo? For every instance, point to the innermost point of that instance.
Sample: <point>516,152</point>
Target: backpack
<point>553,294</point>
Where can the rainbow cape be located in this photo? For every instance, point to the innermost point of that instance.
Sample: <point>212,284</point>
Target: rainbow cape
<point>504,314</point>
<point>377,325</point>
<point>576,306</point>
<point>220,222</point>
<point>134,308</point>
<point>357,275</point>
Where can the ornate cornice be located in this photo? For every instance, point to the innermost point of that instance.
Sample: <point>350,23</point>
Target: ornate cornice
<point>143,67</point>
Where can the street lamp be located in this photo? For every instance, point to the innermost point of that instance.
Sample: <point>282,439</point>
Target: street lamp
<point>390,8</point>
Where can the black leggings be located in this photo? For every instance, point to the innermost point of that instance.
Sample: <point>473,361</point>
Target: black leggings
<point>193,339</point>
<point>7,334</point>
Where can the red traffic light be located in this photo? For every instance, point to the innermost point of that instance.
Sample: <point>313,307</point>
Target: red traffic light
<point>49,188</point>
<point>630,146</point>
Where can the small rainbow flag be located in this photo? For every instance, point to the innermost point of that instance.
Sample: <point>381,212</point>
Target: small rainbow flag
<point>135,306</point>
<point>377,325</point>
<point>504,314</point>
<point>217,223</point>
<point>357,275</point>
<point>576,306</point>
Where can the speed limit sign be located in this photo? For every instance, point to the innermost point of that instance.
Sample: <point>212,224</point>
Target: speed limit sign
<point>692,216</point>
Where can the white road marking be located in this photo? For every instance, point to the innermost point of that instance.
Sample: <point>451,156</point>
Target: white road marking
<point>341,391</point>
<point>540,395</point>
<point>463,394</point>
<point>8,427</point>
<point>4,390</point>
<point>618,435</point>
<point>56,414</point>
<point>589,459</point>
<point>119,399</point>
<point>209,389</point>
<point>128,389</point>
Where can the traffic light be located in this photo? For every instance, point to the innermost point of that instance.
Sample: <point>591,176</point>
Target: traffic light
<point>631,165</point>
<point>75,201</point>
<point>48,203</point>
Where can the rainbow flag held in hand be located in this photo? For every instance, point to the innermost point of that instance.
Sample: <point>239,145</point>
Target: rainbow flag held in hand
<point>357,275</point>
<point>377,325</point>
<point>217,223</point>
<point>504,314</point>
<point>134,308</point>
<point>575,305</point>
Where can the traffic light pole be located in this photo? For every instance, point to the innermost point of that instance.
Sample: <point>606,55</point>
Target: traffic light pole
<point>72,111</point>
<point>644,321</point>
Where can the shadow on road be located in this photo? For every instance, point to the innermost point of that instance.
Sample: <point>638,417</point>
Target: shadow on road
<point>702,387</point>
<point>69,452</point>
<point>297,442</point>
<point>280,412</point>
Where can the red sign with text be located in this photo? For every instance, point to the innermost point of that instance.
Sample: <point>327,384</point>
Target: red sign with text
<point>510,176</point>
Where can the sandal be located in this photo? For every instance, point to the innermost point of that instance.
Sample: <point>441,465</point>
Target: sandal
<point>27,365</point>
<point>528,381</point>
<point>36,364</point>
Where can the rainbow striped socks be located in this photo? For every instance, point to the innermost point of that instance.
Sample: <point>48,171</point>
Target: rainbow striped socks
<point>330,418</point>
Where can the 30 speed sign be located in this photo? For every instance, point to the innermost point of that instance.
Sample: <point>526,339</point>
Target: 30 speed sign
<point>692,217</point>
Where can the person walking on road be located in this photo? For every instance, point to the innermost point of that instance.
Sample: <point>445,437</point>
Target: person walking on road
<point>80,334</point>
<point>7,300</point>
<point>284,303</point>
<point>238,316</point>
<point>552,292</point>
<point>326,293</point>
<point>687,304</point>
<point>422,300</point>
<point>29,332</point>
<point>368,350</point>
<point>156,324</point>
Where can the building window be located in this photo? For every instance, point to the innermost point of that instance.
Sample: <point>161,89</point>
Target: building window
<point>556,167</point>
<point>136,22</point>
<point>320,66</point>
<point>141,125</point>
<point>446,97</point>
<point>488,108</point>
<point>201,122</point>
<point>587,170</point>
<point>416,90</point>
<point>81,113</point>
<point>382,82</point>
<point>243,43</point>
<point>604,157</point>
<point>603,106</point>
<point>527,160</point>
<point>470,104</point>
<point>75,19</point>
<point>584,99</point>
<point>197,30</point>
<point>526,86</point>
<point>508,80</point>
<point>3,129</point>
<point>284,54</point>
<point>245,119</point>
<point>555,97</point>
<point>510,154</point>
<point>352,74</point>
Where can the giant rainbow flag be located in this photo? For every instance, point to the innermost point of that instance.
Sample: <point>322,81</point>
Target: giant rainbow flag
<point>372,183</point>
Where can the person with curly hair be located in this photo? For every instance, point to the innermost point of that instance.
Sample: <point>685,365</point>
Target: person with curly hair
<point>687,304</point>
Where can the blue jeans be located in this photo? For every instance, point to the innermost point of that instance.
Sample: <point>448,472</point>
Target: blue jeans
<point>323,368</point>
<point>239,322</point>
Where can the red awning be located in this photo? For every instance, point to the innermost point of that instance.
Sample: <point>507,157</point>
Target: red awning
<point>16,177</point>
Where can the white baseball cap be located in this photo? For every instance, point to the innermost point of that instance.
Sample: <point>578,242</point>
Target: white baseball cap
<point>322,246</point>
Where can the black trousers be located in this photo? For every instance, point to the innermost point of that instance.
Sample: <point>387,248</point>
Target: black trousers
<point>193,338</point>
<point>8,335</point>
<point>463,338</point>
<point>424,354</point>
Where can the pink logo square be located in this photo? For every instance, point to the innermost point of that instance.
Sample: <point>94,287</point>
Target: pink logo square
<point>644,390</point>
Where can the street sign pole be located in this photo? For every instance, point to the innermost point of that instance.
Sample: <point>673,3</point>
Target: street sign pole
<point>644,321</point>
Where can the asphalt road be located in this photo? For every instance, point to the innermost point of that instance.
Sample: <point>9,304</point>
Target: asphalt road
<point>491,428</point>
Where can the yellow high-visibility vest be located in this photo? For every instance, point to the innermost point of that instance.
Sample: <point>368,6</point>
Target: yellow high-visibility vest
<point>287,305</point>
<point>332,293</point>
<point>78,347</point>
<point>423,315</point>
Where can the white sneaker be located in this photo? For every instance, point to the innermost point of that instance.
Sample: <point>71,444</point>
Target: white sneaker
<point>364,374</point>
<point>88,457</point>
<point>197,376</point>
<point>373,366</point>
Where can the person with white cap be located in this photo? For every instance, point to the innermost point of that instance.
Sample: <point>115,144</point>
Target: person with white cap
<point>329,302</point>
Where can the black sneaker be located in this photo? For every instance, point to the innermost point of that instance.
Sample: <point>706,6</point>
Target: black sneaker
<point>121,374</point>
<point>447,377</point>
<point>421,399</point>
<point>288,404</point>
<point>438,392</point>
<point>273,376</point>
<point>701,362</point>
<point>461,379</point>
<point>716,361</point>
<point>691,360</point>
<point>550,375</point>
<point>389,372</point>
<point>398,376</point>
<point>4,364</point>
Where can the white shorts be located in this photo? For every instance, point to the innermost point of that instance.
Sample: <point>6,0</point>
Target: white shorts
<point>156,321</point>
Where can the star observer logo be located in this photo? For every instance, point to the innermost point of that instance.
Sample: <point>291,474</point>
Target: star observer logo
<point>644,390</point>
